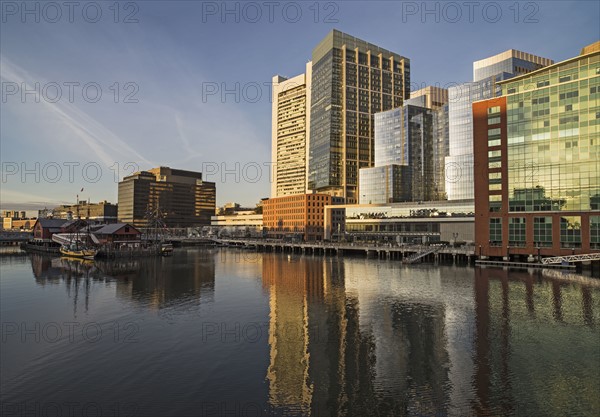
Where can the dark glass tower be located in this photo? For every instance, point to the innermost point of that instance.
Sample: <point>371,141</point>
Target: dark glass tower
<point>351,81</point>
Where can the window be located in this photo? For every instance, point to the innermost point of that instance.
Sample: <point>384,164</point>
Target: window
<point>493,110</point>
<point>570,232</point>
<point>496,232</point>
<point>595,232</point>
<point>495,203</point>
<point>542,232</point>
<point>516,231</point>
<point>493,120</point>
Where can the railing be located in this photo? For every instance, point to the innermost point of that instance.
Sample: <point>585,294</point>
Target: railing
<point>571,258</point>
<point>413,258</point>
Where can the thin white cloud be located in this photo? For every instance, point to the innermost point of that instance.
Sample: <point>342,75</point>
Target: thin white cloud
<point>98,138</point>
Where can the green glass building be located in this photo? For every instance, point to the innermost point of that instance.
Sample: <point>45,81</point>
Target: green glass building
<point>537,151</point>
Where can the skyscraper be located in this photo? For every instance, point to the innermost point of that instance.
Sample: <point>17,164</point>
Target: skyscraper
<point>290,133</point>
<point>351,81</point>
<point>486,74</point>
<point>537,159</point>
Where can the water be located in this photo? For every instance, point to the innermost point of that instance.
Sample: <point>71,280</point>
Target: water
<point>225,332</point>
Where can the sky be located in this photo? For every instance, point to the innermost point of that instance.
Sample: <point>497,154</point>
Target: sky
<point>93,91</point>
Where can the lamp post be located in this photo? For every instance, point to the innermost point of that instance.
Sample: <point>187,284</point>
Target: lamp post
<point>508,253</point>
<point>538,252</point>
<point>479,251</point>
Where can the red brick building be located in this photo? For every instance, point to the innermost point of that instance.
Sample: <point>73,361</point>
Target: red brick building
<point>43,229</point>
<point>301,216</point>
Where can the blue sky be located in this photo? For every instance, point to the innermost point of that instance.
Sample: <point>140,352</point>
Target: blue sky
<point>157,68</point>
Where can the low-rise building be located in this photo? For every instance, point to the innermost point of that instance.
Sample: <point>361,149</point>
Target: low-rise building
<point>43,229</point>
<point>298,217</point>
<point>238,224</point>
<point>103,212</point>
<point>9,223</point>
<point>117,233</point>
<point>403,223</point>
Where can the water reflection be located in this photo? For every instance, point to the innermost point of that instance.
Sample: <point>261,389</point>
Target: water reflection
<point>535,341</point>
<point>355,337</point>
<point>389,340</point>
<point>156,282</point>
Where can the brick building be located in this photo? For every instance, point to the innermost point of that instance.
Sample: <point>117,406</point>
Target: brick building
<point>300,216</point>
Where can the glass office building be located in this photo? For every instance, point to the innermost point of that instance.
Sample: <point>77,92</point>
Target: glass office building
<point>538,149</point>
<point>486,74</point>
<point>391,146</point>
<point>385,184</point>
<point>351,81</point>
<point>441,144</point>
<point>404,149</point>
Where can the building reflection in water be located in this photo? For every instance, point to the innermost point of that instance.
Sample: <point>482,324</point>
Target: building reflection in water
<point>362,337</point>
<point>390,359</point>
<point>351,337</point>
<point>153,282</point>
<point>527,319</point>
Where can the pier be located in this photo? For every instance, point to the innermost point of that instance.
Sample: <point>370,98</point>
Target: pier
<point>405,253</point>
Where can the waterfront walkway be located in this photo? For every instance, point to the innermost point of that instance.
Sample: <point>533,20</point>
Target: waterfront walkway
<point>406,253</point>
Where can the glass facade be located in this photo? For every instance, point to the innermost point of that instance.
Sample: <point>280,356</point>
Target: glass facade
<point>385,184</point>
<point>404,142</point>
<point>351,81</point>
<point>510,66</point>
<point>554,138</point>
<point>441,146</point>
<point>486,74</point>
<point>459,162</point>
<point>391,146</point>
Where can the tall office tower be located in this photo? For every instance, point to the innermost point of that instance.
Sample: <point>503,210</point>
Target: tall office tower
<point>486,75</point>
<point>351,81</point>
<point>537,160</point>
<point>182,197</point>
<point>436,98</point>
<point>290,133</point>
<point>404,164</point>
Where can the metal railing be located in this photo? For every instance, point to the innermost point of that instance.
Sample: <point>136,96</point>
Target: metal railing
<point>571,258</point>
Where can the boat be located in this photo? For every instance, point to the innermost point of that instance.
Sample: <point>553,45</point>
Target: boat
<point>166,249</point>
<point>76,248</point>
<point>76,251</point>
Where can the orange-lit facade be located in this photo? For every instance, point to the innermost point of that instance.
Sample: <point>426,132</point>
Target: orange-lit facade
<point>301,215</point>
